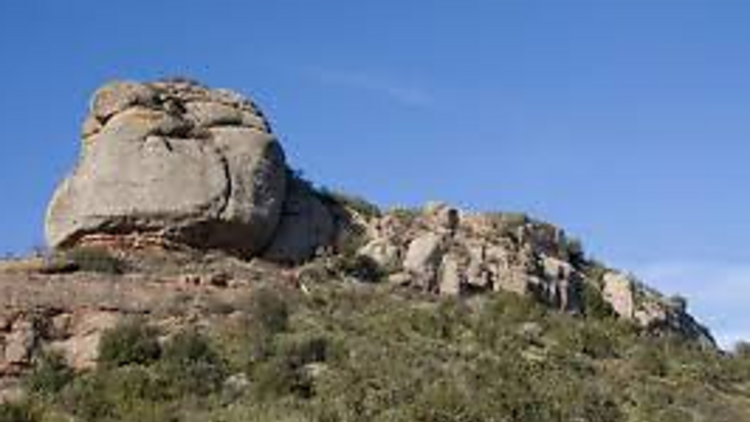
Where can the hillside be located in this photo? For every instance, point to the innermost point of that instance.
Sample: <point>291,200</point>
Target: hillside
<point>339,350</point>
<point>193,276</point>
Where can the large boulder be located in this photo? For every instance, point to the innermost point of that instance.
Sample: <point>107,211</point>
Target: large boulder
<point>423,259</point>
<point>175,159</point>
<point>306,224</point>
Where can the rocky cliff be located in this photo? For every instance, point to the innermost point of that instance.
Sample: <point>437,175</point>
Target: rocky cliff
<point>187,190</point>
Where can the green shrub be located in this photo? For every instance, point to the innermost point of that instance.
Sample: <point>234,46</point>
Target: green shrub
<point>50,374</point>
<point>444,402</point>
<point>286,371</point>
<point>302,350</point>
<point>594,305</point>
<point>190,366</point>
<point>273,379</point>
<point>574,251</point>
<point>17,412</point>
<point>86,398</point>
<point>131,342</point>
<point>357,204</point>
<point>361,267</point>
<point>595,341</point>
<point>347,353</point>
<point>597,407</point>
<point>269,310</point>
<point>268,316</point>
<point>650,360</point>
<point>678,302</point>
<point>129,387</point>
<point>96,259</point>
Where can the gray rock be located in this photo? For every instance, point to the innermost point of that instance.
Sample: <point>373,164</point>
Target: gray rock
<point>91,126</point>
<point>256,169</point>
<point>383,252</point>
<point>210,114</point>
<point>236,385</point>
<point>565,280</point>
<point>400,279</point>
<point>423,259</point>
<point>618,292</point>
<point>306,224</point>
<point>193,174</point>
<point>117,96</point>
<point>81,347</point>
<point>21,341</point>
<point>443,216</point>
<point>451,276</point>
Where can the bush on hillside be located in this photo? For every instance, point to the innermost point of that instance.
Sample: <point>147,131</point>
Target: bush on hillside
<point>593,302</point>
<point>358,204</point>
<point>96,259</point>
<point>269,310</point>
<point>361,267</point>
<point>348,353</point>
<point>17,412</point>
<point>130,342</point>
<point>49,375</point>
<point>86,398</point>
<point>190,365</point>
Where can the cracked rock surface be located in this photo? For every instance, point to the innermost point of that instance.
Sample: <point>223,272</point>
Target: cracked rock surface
<point>175,159</point>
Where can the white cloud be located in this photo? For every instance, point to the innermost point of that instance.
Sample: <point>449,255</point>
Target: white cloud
<point>403,94</point>
<point>718,293</point>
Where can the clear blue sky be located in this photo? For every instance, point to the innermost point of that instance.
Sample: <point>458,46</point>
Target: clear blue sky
<point>627,122</point>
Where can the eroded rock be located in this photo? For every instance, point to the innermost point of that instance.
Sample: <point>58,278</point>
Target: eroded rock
<point>177,159</point>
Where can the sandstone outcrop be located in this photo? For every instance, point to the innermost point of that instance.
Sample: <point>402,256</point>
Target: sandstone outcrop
<point>177,160</point>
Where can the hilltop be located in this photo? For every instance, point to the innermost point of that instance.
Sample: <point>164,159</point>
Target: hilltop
<point>194,275</point>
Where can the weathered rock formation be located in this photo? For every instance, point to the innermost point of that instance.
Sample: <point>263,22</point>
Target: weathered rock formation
<point>181,162</point>
<point>634,301</point>
<point>446,251</point>
<point>441,249</point>
<point>176,162</point>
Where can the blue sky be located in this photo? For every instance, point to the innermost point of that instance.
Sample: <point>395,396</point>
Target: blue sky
<point>624,121</point>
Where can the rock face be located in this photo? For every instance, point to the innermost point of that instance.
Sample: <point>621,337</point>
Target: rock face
<point>632,300</point>
<point>440,249</point>
<point>177,160</point>
<point>619,291</point>
<point>306,224</point>
<point>443,250</point>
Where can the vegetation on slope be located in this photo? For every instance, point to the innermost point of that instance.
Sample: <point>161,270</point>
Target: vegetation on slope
<point>370,353</point>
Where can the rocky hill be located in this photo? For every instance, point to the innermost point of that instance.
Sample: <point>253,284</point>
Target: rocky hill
<point>182,214</point>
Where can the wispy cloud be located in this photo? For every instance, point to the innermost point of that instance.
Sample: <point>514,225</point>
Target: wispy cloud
<point>718,293</point>
<point>399,92</point>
